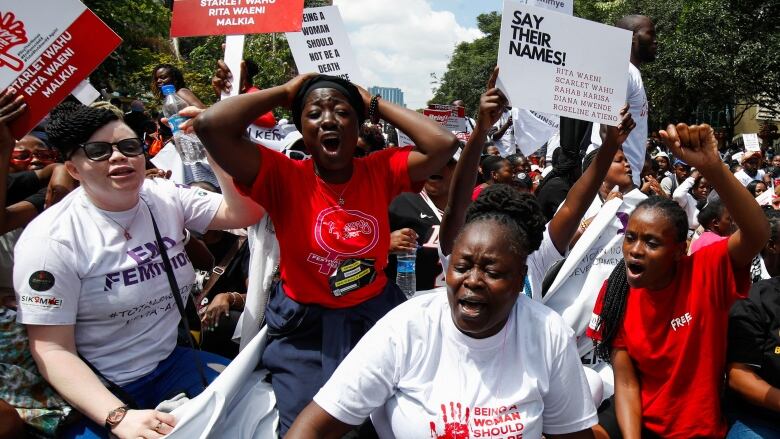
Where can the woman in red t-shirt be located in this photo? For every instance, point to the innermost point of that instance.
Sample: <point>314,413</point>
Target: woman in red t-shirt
<point>330,218</point>
<point>663,315</point>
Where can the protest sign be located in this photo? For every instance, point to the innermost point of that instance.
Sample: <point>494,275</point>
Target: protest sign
<point>234,54</point>
<point>273,138</point>
<point>562,6</point>
<point>44,56</point>
<point>232,17</point>
<point>533,129</point>
<point>553,63</point>
<point>450,117</point>
<point>751,142</point>
<point>403,139</point>
<point>322,45</point>
<point>85,92</point>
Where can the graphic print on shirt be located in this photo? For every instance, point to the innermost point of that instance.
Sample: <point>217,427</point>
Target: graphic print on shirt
<point>146,269</point>
<point>482,422</point>
<point>342,234</point>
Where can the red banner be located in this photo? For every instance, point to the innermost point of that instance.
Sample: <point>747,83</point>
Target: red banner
<point>67,61</point>
<point>232,17</point>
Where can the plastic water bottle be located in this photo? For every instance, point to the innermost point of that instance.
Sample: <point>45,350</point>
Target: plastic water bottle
<point>405,277</point>
<point>187,145</point>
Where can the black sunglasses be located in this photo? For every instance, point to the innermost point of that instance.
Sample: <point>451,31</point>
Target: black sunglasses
<point>99,151</point>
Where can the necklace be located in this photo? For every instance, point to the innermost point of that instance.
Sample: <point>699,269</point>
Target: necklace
<point>127,234</point>
<point>339,196</point>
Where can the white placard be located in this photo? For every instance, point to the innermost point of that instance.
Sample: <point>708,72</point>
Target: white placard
<point>322,45</point>
<point>751,142</point>
<point>85,92</point>
<point>554,63</point>
<point>403,139</point>
<point>234,53</point>
<point>533,129</point>
<point>562,6</point>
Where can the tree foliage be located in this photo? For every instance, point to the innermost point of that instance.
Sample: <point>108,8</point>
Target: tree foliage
<point>712,55</point>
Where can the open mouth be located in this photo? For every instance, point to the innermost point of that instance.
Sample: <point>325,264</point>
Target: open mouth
<point>331,144</point>
<point>435,177</point>
<point>635,268</point>
<point>471,307</point>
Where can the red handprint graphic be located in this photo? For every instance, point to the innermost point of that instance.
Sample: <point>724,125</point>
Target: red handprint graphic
<point>458,428</point>
<point>11,34</point>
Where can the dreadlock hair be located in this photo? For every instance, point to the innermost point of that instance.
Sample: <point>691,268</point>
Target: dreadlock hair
<point>773,216</point>
<point>176,76</point>
<point>72,124</point>
<point>518,212</point>
<point>616,294</point>
<point>491,164</point>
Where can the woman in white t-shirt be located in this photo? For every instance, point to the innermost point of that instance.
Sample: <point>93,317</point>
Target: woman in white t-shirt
<point>481,361</point>
<point>92,287</point>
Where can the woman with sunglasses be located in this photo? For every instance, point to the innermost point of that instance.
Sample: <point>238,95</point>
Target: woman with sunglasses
<point>330,217</point>
<point>92,287</point>
<point>32,154</point>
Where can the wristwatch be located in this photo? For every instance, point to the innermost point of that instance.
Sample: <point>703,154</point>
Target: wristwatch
<point>115,417</point>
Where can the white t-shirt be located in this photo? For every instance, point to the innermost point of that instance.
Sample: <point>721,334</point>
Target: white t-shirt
<point>73,266</point>
<point>538,263</point>
<point>745,179</point>
<point>419,376</point>
<point>506,144</point>
<point>635,145</point>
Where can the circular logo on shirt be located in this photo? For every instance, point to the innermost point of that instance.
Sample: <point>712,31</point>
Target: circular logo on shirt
<point>346,232</point>
<point>41,280</point>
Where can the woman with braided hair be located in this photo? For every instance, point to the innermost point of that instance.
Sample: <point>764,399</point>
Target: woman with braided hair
<point>95,293</point>
<point>482,360</point>
<point>661,318</point>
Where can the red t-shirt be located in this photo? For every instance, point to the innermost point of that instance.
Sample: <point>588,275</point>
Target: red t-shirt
<point>315,234</point>
<point>477,190</point>
<point>676,338</point>
<point>266,120</point>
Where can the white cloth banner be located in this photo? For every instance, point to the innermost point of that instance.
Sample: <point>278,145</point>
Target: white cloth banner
<point>554,63</point>
<point>576,287</point>
<point>239,404</point>
<point>533,129</point>
<point>272,138</point>
<point>322,46</point>
<point>263,260</point>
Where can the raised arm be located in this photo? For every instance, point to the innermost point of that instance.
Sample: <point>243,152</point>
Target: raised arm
<point>222,128</point>
<point>434,145</point>
<point>464,178</point>
<point>697,146</point>
<point>564,224</point>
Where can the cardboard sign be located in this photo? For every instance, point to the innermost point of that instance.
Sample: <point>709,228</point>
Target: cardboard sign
<point>403,139</point>
<point>449,117</point>
<point>751,142</point>
<point>322,45</point>
<point>554,63</point>
<point>44,56</point>
<point>228,17</point>
<point>562,6</point>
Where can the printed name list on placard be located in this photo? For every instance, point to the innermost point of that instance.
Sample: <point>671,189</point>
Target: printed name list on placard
<point>554,63</point>
<point>44,56</point>
<point>232,17</point>
<point>322,45</point>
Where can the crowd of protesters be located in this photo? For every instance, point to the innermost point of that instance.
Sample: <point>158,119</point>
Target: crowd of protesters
<point>123,270</point>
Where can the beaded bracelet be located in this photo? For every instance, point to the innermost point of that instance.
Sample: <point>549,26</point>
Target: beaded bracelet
<point>373,107</point>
